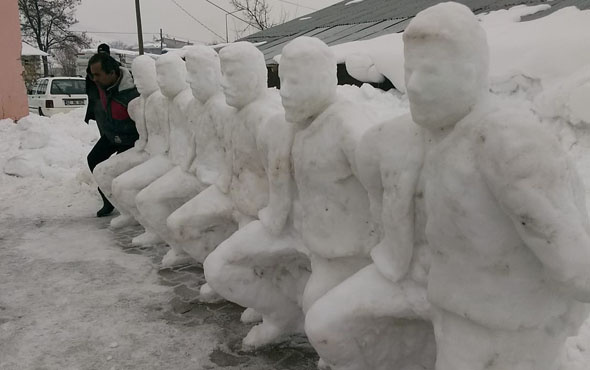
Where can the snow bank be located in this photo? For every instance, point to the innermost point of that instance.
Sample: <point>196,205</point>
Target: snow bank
<point>43,163</point>
<point>48,147</point>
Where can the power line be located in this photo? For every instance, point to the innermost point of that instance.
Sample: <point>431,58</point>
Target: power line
<point>227,11</point>
<point>198,21</point>
<point>134,33</point>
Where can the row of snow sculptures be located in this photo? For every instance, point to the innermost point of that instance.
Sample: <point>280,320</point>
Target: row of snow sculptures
<point>452,238</point>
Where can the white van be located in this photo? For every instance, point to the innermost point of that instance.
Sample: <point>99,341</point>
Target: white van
<point>51,95</point>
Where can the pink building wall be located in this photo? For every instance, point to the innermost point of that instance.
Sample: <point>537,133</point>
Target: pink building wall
<point>13,95</point>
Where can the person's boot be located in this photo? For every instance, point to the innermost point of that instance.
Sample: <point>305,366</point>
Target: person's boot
<point>107,207</point>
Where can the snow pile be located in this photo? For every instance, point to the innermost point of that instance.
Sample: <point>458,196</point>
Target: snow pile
<point>49,148</point>
<point>43,163</point>
<point>382,105</point>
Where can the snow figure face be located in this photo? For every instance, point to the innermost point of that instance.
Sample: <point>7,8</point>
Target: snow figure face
<point>446,64</point>
<point>244,75</point>
<point>171,73</point>
<point>204,72</point>
<point>308,79</point>
<point>144,74</point>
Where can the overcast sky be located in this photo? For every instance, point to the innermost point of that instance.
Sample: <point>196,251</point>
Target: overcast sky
<point>110,20</point>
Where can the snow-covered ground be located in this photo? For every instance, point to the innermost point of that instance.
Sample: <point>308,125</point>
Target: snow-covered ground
<point>70,298</point>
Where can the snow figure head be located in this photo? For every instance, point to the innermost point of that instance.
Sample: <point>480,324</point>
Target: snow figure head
<point>244,75</point>
<point>144,74</point>
<point>204,72</point>
<point>308,78</point>
<point>171,74</point>
<point>446,64</point>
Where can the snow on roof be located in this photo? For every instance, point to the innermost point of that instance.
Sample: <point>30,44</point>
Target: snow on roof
<point>552,39</point>
<point>28,50</point>
<point>369,19</point>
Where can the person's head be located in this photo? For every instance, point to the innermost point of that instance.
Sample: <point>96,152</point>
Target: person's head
<point>144,74</point>
<point>104,69</point>
<point>104,48</point>
<point>446,64</point>
<point>244,75</point>
<point>171,72</point>
<point>204,71</point>
<point>308,78</point>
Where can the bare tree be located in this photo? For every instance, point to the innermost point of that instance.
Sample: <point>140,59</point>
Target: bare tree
<point>47,24</point>
<point>66,57</point>
<point>119,45</point>
<point>257,13</point>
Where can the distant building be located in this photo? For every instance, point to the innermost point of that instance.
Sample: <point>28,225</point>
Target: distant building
<point>158,47</point>
<point>32,63</point>
<point>125,57</point>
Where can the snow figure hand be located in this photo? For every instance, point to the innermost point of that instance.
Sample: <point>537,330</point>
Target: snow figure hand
<point>272,224</point>
<point>394,265</point>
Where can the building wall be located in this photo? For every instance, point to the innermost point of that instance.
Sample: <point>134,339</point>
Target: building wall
<point>13,97</point>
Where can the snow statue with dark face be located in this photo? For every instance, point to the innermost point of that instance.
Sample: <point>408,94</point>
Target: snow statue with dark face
<point>149,112</point>
<point>171,77</point>
<point>262,265</point>
<point>506,214</point>
<point>204,165</point>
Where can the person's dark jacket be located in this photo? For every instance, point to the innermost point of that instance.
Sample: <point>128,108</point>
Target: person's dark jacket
<point>110,110</point>
<point>92,92</point>
<point>93,96</point>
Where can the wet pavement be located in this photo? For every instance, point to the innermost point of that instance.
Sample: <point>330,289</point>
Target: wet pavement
<point>187,313</point>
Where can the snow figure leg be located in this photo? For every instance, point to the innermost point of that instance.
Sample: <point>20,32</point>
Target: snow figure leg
<point>267,273</point>
<point>201,224</point>
<point>370,323</point>
<point>162,197</point>
<point>105,172</point>
<point>327,273</point>
<point>126,187</point>
<point>465,345</point>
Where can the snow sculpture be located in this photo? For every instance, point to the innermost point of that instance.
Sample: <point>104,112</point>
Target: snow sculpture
<point>171,73</point>
<point>205,162</point>
<point>260,266</point>
<point>379,317</point>
<point>149,113</point>
<point>507,220</point>
<point>335,226</point>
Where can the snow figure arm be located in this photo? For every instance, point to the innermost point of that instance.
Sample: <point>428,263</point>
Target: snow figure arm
<point>163,117</point>
<point>396,147</point>
<point>275,140</point>
<point>537,186</point>
<point>223,118</point>
<point>136,109</point>
<point>190,162</point>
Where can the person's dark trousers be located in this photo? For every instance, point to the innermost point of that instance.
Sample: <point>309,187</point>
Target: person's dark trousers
<point>102,151</point>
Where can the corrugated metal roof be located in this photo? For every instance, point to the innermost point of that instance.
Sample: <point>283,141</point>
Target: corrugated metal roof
<point>367,19</point>
<point>556,5</point>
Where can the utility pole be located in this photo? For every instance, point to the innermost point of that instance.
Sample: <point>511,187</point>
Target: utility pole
<point>161,42</point>
<point>139,31</point>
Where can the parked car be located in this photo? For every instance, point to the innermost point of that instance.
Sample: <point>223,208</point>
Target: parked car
<point>51,95</point>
